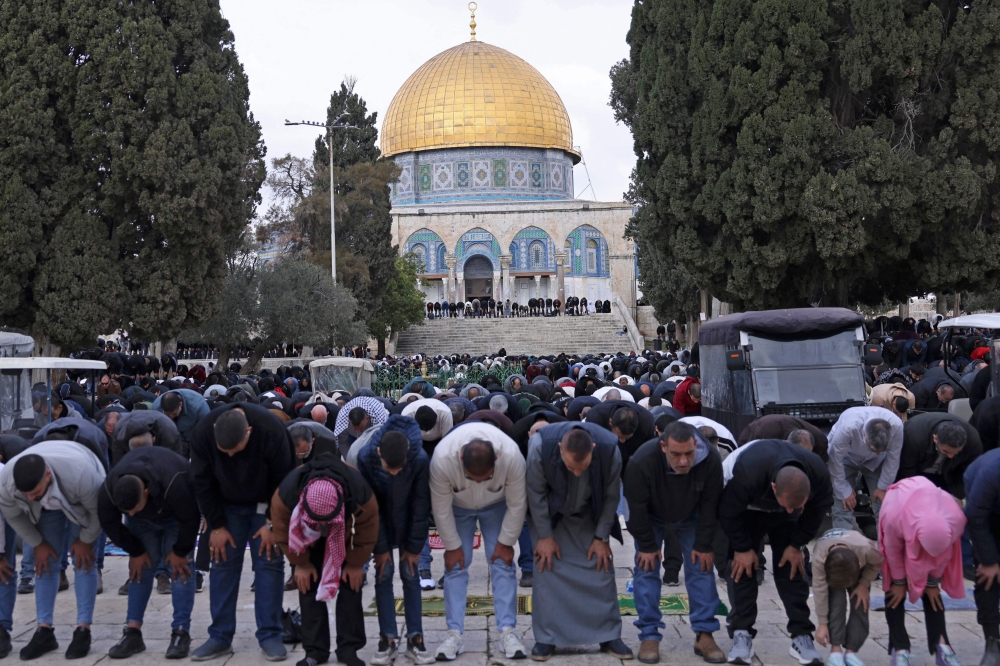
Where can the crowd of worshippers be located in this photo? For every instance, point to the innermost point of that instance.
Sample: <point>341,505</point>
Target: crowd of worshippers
<point>535,307</point>
<point>183,474</point>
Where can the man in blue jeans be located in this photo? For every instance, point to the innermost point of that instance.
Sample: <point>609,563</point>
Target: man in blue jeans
<point>240,453</point>
<point>396,467</point>
<point>46,492</point>
<point>8,585</point>
<point>153,487</point>
<point>676,480</point>
<point>477,477</point>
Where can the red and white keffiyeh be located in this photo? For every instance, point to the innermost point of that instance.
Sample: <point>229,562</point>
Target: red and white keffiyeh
<point>323,497</point>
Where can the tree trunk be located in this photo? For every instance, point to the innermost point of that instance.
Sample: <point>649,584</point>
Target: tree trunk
<point>904,309</point>
<point>381,347</point>
<point>223,363</point>
<point>958,303</point>
<point>942,305</point>
<point>253,363</point>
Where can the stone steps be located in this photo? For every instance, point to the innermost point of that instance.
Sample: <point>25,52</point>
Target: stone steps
<point>588,334</point>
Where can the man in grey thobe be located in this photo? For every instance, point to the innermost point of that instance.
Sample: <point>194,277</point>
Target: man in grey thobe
<point>865,440</point>
<point>573,478</point>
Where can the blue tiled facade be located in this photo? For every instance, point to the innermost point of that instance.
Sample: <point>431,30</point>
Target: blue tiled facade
<point>483,174</point>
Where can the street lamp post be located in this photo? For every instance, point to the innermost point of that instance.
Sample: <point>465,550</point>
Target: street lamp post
<point>329,144</point>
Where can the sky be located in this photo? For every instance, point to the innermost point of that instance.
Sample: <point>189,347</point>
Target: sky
<point>297,52</point>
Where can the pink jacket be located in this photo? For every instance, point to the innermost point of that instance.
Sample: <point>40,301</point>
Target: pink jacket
<point>919,532</point>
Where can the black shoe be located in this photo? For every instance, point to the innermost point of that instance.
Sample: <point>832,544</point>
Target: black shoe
<point>441,583</point>
<point>26,586</point>
<point>4,643</point>
<point>180,644</point>
<point>199,582</point>
<point>100,582</point>
<point>350,658</point>
<point>253,585</point>
<point>617,648</point>
<point>80,645</point>
<point>130,644</point>
<point>163,584</point>
<point>123,590</point>
<point>672,578</point>
<point>308,661</point>
<point>526,578</point>
<point>63,581</point>
<point>542,651</point>
<point>991,656</point>
<point>42,642</point>
<point>969,572</point>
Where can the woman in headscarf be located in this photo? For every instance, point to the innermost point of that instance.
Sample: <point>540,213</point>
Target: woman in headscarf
<point>919,532</point>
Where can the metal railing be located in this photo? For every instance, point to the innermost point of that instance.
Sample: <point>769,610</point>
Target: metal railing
<point>390,382</point>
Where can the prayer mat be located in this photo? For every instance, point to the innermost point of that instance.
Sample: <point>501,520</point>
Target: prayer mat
<point>671,604</point>
<point>966,603</point>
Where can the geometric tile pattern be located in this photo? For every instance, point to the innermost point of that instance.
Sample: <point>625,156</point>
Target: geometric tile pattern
<point>443,177</point>
<point>518,174</point>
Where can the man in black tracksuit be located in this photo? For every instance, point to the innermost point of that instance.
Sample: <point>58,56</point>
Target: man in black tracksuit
<point>240,453</point>
<point>933,447</point>
<point>152,485</point>
<point>982,508</point>
<point>777,489</point>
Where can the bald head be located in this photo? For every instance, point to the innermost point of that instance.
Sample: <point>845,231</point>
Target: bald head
<point>791,488</point>
<point>319,414</point>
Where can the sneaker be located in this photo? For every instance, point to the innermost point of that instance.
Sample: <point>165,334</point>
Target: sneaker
<point>852,659</point>
<point>742,651</point>
<point>946,656</point>
<point>617,649</point>
<point>417,652</point>
<point>5,646</point>
<point>26,586</point>
<point>836,659</point>
<point>63,581</point>
<point>899,658</point>
<point>131,643</point>
<point>180,644</point>
<point>210,650</point>
<point>671,578</point>
<point>42,642</point>
<point>100,581</point>
<point>426,581</point>
<point>349,658</point>
<point>308,661</point>
<point>441,583</point>
<point>510,645</point>
<point>386,651</point>
<point>123,590</point>
<point>542,652</point>
<point>80,645</point>
<point>274,650</point>
<point>526,579</point>
<point>253,584</point>
<point>450,647</point>
<point>199,582</point>
<point>969,572</point>
<point>163,584</point>
<point>803,649</point>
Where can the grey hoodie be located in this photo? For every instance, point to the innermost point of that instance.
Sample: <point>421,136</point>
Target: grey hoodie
<point>77,476</point>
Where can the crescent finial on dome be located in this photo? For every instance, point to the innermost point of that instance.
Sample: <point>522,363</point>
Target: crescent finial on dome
<point>472,24</point>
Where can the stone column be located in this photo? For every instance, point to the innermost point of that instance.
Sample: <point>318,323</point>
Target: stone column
<point>538,286</point>
<point>449,261</point>
<point>505,280</point>
<point>498,286</point>
<point>560,277</point>
<point>459,291</point>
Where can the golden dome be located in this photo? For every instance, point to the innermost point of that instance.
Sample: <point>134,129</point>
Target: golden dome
<point>476,94</point>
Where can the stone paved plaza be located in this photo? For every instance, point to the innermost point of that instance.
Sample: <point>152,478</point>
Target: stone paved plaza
<point>481,635</point>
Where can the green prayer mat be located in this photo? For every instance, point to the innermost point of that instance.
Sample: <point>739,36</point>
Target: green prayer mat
<point>670,604</point>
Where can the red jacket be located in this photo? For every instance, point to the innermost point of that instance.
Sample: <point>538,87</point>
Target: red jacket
<point>683,402</point>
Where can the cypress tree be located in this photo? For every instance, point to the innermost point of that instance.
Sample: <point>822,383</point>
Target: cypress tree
<point>794,152</point>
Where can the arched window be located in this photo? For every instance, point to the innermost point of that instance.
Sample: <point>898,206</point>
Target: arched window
<point>441,265</point>
<point>537,255</point>
<point>591,256</point>
<point>421,253</point>
<point>568,261</point>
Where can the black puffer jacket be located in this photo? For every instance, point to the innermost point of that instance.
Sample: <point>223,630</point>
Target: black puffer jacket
<point>920,454</point>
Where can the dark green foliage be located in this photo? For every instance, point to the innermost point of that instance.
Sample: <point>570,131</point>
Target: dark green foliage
<point>129,160</point>
<point>402,302</point>
<point>350,145</point>
<point>810,151</point>
<point>291,301</point>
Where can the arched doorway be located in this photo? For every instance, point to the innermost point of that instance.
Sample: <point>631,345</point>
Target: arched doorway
<point>478,274</point>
